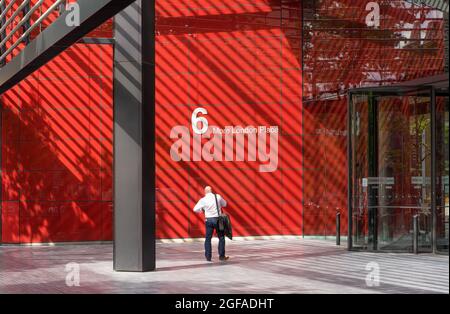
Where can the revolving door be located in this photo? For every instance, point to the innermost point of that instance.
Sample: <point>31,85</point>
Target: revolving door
<point>398,168</point>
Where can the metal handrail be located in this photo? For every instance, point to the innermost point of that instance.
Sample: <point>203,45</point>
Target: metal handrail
<point>7,8</point>
<point>20,24</point>
<point>14,15</point>
<point>442,5</point>
<point>24,20</point>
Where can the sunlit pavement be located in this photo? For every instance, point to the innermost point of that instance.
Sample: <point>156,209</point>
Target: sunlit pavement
<point>258,266</point>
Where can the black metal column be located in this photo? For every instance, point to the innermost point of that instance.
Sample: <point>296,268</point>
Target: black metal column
<point>433,170</point>
<point>350,174</point>
<point>373,172</point>
<point>134,136</point>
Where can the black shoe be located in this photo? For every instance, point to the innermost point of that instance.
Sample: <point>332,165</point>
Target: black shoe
<point>208,260</point>
<point>224,258</point>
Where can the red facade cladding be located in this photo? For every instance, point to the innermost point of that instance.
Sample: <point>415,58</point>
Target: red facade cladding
<point>57,150</point>
<point>240,61</point>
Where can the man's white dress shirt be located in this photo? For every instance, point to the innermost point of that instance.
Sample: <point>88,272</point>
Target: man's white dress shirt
<point>208,204</point>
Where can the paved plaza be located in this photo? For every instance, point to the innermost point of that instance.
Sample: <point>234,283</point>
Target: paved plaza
<point>257,266</point>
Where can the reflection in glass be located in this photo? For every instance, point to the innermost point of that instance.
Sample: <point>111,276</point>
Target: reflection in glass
<point>404,171</point>
<point>442,173</point>
<point>391,171</point>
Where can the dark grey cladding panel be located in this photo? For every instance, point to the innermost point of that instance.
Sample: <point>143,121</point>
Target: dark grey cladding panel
<point>128,26</point>
<point>134,154</point>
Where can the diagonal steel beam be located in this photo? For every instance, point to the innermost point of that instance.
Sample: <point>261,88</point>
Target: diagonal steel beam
<point>58,37</point>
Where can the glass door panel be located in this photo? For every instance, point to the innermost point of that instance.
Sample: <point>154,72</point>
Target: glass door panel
<point>390,164</point>
<point>359,144</point>
<point>403,172</point>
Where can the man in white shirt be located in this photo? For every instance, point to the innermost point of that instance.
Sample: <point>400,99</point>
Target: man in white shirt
<point>208,205</point>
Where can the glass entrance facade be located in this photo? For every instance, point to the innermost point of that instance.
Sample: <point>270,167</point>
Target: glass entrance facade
<point>399,168</point>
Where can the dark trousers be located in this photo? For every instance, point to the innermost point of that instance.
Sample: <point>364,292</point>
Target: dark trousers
<point>211,225</point>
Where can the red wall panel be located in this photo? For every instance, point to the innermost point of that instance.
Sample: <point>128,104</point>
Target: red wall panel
<point>57,150</point>
<point>241,61</point>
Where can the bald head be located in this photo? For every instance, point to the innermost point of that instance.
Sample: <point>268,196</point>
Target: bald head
<point>208,189</point>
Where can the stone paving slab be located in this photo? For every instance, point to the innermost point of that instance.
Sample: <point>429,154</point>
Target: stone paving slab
<point>259,266</point>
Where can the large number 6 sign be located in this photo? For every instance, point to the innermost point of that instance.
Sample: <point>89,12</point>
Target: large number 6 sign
<point>195,119</point>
